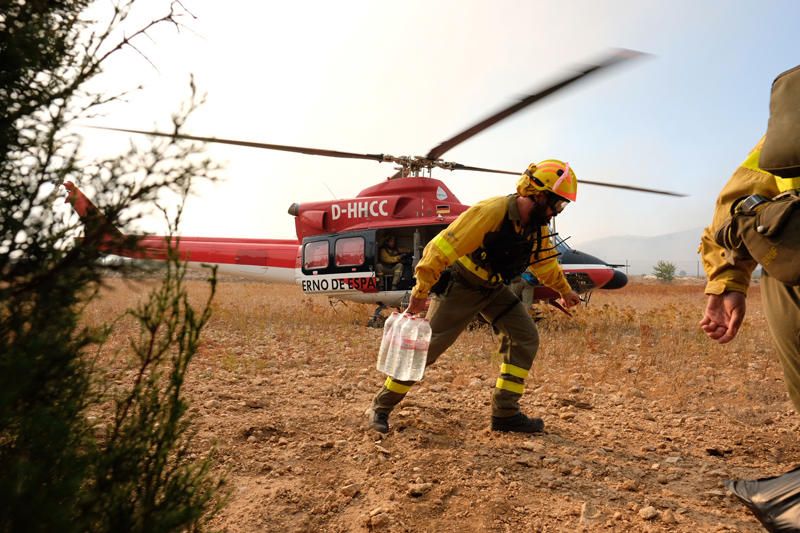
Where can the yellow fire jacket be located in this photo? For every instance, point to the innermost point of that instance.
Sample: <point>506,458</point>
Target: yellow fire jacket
<point>389,256</point>
<point>465,235</point>
<point>746,180</point>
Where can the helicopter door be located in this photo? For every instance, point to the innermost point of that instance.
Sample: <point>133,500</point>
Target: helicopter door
<point>409,242</point>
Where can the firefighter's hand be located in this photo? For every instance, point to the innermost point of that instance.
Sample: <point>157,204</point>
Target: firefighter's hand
<point>571,299</point>
<point>416,305</point>
<point>724,315</point>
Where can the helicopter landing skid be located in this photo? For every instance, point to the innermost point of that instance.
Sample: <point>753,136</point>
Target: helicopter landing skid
<point>377,319</point>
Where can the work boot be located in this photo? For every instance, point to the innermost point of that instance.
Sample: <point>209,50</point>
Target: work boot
<point>775,501</point>
<point>378,421</point>
<point>519,423</point>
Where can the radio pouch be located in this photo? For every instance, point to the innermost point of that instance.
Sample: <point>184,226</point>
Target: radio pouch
<point>442,284</point>
<point>780,154</point>
<point>769,233</point>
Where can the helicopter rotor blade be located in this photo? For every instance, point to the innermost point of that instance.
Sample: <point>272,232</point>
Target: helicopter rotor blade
<point>617,57</point>
<point>250,144</point>
<point>459,166</point>
<point>632,188</point>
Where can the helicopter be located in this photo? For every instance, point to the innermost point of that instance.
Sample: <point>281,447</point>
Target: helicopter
<point>336,253</point>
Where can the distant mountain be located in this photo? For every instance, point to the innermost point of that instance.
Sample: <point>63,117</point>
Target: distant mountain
<point>642,253</point>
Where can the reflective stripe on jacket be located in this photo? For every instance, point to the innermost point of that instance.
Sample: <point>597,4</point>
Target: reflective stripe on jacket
<point>466,233</point>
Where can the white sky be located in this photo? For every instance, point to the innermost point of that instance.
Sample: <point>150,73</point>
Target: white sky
<point>400,77</point>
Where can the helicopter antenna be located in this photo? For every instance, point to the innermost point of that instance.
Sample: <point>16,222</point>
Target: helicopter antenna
<point>329,190</point>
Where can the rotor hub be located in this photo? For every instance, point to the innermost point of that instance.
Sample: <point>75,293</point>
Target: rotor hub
<point>416,166</point>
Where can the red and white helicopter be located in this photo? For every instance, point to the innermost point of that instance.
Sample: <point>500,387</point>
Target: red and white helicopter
<point>336,250</point>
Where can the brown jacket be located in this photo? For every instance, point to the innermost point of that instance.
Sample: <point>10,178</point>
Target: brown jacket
<point>746,180</point>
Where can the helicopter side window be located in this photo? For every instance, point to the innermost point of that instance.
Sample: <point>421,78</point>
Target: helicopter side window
<point>349,251</point>
<point>315,255</point>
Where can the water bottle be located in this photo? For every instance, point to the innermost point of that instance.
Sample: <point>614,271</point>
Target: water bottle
<point>389,357</point>
<point>421,348</point>
<point>386,340</point>
<point>404,343</point>
<point>406,350</point>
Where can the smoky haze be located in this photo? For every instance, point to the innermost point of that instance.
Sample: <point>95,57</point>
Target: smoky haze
<point>640,254</point>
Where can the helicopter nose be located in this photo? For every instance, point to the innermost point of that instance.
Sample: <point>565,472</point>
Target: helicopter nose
<point>617,281</point>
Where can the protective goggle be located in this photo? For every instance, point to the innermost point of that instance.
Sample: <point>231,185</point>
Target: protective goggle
<point>556,203</point>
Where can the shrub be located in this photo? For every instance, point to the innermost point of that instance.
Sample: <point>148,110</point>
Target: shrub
<point>75,453</point>
<point>664,271</point>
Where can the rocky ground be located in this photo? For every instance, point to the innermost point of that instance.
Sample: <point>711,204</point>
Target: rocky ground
<point>645,419</point>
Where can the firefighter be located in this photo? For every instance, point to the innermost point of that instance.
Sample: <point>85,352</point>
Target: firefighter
<point>523,288</point>
<point>757,217</point>
<point>467,267</point>
<point>391,260</point>
<point>728,281</point>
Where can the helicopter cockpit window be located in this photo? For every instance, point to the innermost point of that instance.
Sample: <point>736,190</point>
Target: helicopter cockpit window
<point>349,251</point>
<point>315,255</point>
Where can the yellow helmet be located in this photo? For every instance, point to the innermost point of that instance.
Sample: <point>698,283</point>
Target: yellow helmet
<point>549,175</point>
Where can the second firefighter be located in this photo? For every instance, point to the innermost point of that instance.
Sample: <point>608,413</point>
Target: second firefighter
<point>466,268</point>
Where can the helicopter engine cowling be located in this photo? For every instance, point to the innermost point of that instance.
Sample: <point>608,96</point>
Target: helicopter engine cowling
<point>314,219</point>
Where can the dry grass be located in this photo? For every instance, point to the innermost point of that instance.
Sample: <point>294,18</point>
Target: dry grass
<point>281,380</point>
<point>646,339</point>
<point>643,340</point>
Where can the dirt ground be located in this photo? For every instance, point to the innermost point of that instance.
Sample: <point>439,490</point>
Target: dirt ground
<point>645,419</point>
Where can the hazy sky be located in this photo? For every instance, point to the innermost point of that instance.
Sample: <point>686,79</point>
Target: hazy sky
<point>400,77</point>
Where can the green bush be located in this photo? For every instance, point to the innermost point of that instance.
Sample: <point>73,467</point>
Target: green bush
<point>664,271</point>
<point>62,470</point>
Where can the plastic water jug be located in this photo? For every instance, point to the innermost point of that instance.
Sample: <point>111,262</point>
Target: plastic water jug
<point>404,348</point>
<point>421,348</point>
<point>387,335</point>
